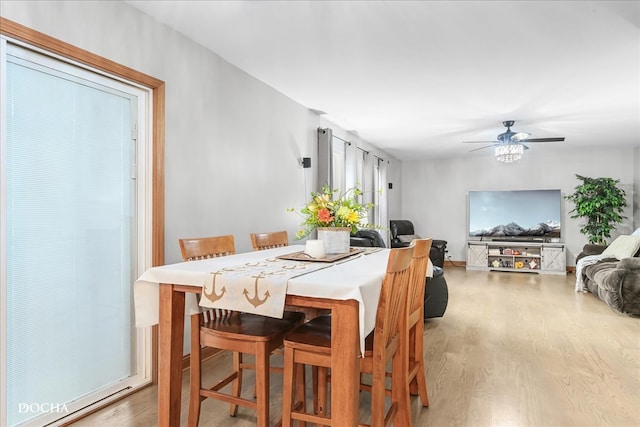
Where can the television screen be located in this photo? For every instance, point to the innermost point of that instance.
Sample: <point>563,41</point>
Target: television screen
<point>511,214</point>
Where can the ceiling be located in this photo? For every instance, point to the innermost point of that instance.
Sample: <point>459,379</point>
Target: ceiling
<point>416,78</point>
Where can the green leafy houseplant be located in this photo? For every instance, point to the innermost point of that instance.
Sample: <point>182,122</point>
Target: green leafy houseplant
<point>601,202</point>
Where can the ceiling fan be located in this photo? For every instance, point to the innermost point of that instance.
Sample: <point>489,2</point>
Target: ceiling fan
<point>510,145</point>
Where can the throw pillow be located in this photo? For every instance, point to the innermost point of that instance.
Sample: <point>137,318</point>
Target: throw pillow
<point>636,233</point>
<point>408,238</point>
<point>623,247</point>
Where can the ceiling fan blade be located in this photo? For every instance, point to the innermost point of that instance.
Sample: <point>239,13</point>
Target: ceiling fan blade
<point>558,139</point>
<point>479,142</point>
<point>520,136</point>
<point>482,148</point>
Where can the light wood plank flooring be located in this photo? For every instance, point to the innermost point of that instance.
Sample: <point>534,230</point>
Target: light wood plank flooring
<point>511,350</point>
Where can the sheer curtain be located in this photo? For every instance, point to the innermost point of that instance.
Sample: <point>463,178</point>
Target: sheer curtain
<point>382,207</point>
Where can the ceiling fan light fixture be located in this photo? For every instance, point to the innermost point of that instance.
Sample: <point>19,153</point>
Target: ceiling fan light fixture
<point>509,153</point>
<point>520,135</point>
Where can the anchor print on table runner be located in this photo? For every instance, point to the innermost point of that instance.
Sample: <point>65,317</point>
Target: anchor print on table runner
<point>213,296</point>
<point>255,300</point>
<point>253,287</point>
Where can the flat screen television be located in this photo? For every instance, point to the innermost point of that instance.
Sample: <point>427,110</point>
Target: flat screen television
<point>519,214</point>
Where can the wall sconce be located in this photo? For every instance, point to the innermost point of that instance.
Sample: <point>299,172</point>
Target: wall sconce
<point>306,162</point>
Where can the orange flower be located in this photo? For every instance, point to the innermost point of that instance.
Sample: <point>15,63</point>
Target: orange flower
<point>324,215</point>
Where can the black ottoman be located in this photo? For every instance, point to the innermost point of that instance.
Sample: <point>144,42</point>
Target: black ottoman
<point>436,294</point>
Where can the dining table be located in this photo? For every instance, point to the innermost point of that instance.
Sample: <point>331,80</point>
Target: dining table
<point>349,287</point>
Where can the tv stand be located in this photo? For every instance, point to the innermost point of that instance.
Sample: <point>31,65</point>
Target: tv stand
<point>521,257</point>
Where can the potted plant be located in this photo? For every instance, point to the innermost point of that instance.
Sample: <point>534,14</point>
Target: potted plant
<point>332,212</point>
<point>601,202</point>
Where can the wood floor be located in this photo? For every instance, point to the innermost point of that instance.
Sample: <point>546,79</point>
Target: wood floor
<point>511,350</point>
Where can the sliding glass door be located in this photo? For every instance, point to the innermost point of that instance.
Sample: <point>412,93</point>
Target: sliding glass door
<point>70,207</point>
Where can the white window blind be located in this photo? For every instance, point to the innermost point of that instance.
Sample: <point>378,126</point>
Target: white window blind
<point>70,240</point>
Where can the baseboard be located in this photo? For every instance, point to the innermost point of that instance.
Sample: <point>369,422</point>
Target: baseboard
<point>451,263</point>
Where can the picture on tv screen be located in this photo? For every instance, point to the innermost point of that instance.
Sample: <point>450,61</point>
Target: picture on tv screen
<point>521,213</point>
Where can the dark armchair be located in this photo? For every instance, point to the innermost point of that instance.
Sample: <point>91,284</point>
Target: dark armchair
<point>402,233</point>
<point>367,238</point>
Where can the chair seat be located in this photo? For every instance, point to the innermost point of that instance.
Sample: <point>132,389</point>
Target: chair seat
<point>316,334</point>
<point>251,326</point>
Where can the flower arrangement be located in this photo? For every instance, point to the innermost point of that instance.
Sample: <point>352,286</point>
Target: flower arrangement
<point>332,209</point>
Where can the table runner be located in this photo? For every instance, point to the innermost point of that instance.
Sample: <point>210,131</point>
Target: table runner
<point>254,287</point>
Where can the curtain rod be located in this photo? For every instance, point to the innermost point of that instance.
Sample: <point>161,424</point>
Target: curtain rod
<point>343,140</point>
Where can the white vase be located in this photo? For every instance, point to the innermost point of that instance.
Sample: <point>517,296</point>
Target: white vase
<point>336,239</point>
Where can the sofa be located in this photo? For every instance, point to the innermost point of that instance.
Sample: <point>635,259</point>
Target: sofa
<point>612,273</point>
<point>402,233</point>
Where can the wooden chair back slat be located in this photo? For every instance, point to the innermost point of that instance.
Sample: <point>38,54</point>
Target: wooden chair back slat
<point>393,297</point>
<point>418,273</point>
<point>262,241</point>
<point>207,247</point>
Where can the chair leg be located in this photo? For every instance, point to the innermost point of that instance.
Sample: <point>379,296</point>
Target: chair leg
<point>419,382</point>
<point>287,387</point>
<point>377,396</point>
<point>237,383</point>
<point>400,391</point>
<point>262,385</point>
<point>321,397</point>
<point>418,355</point>
<point>301,395</point>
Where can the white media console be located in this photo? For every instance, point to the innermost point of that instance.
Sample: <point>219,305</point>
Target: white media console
<point>522,257</point>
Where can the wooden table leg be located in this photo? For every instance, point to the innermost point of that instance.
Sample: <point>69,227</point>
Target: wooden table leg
<point>170,339</point>
<point>345,366</point>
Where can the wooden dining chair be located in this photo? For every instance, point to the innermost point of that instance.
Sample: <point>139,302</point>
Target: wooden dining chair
<point>276,239</point>
<point>240,333</point>
<point>415,319</point>
<point>207,247</point>
<point>310,344</point>
<point>413,328</point>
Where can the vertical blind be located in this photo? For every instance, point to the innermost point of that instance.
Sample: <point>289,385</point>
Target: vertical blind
<point>69,215</point>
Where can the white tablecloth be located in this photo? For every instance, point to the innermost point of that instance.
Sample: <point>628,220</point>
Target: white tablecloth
<point>358,277</point>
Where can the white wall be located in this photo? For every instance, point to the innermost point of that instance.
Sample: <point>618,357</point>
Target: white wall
<point>232,142</point>
<point>435,192</point>
<point>636,188</point>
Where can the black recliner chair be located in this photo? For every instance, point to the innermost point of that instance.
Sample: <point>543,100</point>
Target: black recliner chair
<point>402,233</point>
<point>436,293</point>
<point>367,238</point>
